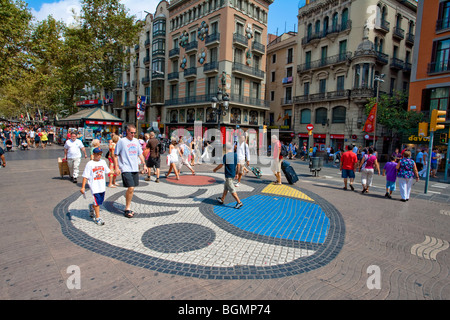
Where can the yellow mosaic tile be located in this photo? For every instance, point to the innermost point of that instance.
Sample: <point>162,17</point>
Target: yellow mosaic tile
<point>287,191</point>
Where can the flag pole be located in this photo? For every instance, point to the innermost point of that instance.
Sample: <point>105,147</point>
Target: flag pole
<point>375,120</point>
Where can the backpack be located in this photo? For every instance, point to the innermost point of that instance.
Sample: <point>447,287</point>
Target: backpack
<point>284,151</point>
<point>162,147</point>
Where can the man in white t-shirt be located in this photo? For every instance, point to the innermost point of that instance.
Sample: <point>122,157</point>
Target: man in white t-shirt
<point>243,158</point>
<point>127,154</point>
<point>72,154</point>
<point>31,135</point>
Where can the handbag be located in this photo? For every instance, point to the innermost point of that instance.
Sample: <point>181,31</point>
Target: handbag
<point>146,153</point>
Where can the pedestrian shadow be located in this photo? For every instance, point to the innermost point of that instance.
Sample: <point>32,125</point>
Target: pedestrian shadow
<point>356,191</point>
<point>78,214</point>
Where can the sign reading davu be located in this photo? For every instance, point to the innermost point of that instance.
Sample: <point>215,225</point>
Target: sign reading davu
<point>414,138</point>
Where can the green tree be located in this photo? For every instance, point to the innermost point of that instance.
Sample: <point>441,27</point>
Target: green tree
<point>15,29</point>
<point>110,29</point>
<point>392,114</point>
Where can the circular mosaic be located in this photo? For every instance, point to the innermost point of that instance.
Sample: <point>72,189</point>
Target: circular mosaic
<point>183,230</point>
<point>178,237</point>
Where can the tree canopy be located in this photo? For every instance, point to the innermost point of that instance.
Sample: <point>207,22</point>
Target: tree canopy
<point>45,65</point>
<point>392,112</point>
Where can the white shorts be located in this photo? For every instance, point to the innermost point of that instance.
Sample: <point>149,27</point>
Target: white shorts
<point>276,165</point>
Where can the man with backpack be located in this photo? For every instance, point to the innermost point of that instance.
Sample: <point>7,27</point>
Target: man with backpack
<point>154,157</point>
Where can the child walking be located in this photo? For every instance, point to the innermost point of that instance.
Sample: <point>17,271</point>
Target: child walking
<point>390,171</point>
<point>95,173</point>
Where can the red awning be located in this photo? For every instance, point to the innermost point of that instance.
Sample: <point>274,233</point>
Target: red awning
<point>303,135</point>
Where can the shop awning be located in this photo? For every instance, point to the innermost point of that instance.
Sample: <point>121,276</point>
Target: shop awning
<point>91,116</point>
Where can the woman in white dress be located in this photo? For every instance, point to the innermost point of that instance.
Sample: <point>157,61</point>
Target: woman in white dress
<point>173,158</point>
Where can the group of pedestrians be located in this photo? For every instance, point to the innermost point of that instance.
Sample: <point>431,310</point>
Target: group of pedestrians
<point>26,137</point>
<point>400,167</point>
<point>126,154</point>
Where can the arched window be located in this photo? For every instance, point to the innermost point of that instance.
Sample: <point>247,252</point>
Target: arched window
<point>317,27</point>
<point>325,25</point>
<point>344,19</point>
<point>321,116</point>
<point>339,114</point>
<point>334,22</point>
<point>305,116</point>
<point>235,115</point>
<point>383,13</point>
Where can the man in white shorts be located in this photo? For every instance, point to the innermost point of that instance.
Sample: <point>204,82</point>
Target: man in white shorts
<point>72,154</point>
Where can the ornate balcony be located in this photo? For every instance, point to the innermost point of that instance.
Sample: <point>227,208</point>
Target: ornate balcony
<point>325,62</point>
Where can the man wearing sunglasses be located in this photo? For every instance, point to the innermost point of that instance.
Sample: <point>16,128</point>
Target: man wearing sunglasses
<point>127,155</point>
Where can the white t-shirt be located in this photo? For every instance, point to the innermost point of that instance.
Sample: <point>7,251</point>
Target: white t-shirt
<point>128,152</point>
<point>73,148</point>
<point>242,151</point>
<point>95,172</point>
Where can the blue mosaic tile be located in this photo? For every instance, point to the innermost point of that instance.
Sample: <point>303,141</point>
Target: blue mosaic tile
<point>300,221</point>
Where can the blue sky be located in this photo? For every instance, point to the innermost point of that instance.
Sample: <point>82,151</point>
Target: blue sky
<point>282,13</point>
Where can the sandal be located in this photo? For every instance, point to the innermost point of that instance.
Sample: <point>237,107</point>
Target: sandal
<point>128,213</point>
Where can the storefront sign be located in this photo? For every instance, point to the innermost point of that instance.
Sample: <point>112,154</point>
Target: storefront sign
<point>88,102</point>
<point>415,139</point>
<point>337,136</point>
<point>104,123</point>
<point>367,137</point>
<point>320,136</point>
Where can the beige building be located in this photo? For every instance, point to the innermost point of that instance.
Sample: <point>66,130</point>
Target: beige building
<point>212,45</point>
<point>144,74</point>
<point>343,45</point>
<point>281,82</point>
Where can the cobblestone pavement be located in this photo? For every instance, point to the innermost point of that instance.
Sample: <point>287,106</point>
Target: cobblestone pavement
<point>308,241</point>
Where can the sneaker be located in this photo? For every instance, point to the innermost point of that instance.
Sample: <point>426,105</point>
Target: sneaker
<point>157,180</point>
<point>75,180</point>
<point>386,195</point>
<point>147,179</point>
<point>99,221</point>
<point>219,199</point>
<point>237,184</point>
<point>239,205</point>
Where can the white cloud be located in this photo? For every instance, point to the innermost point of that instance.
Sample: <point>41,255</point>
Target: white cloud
<point>62,10</point>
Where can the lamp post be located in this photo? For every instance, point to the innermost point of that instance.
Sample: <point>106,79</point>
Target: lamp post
<point>221,101</point>
<point>220,105</point>
<point>380,80</point>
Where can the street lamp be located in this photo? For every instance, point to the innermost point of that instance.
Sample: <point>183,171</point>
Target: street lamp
<point>380,80</point>
<point>221,102</point>
<point>220,105</point>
